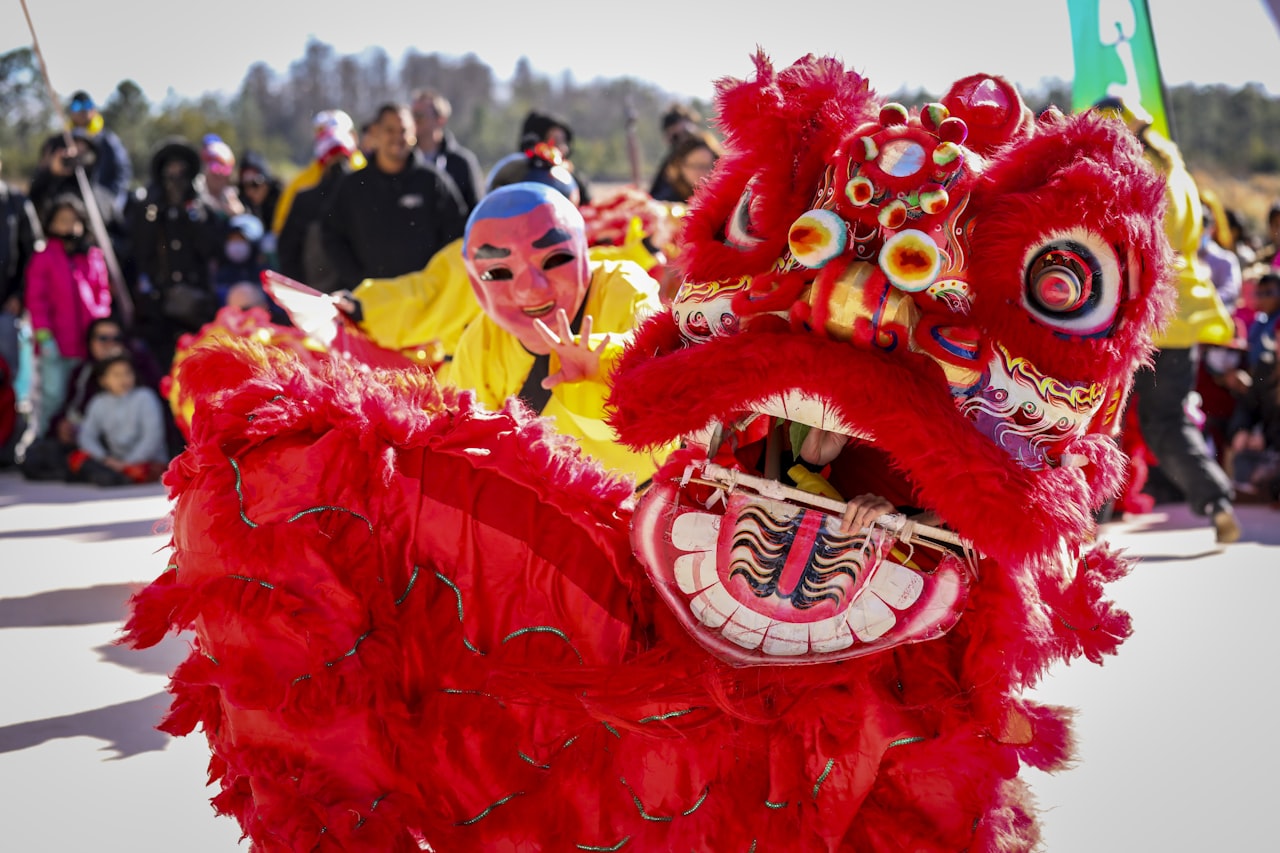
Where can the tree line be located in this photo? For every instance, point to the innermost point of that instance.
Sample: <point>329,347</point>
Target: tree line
<point>1223,129</point>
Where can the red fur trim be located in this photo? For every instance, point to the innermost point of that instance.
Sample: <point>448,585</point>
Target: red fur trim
<point>1092,167</point>
<point>1086,623</point>
<point>803,110</point>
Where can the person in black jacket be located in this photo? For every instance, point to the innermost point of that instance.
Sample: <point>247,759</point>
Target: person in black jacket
<point>177,240</point>
<point>19,232</point>
<point>431,111</point>
<point>300,248</point>
<point>392,216</point>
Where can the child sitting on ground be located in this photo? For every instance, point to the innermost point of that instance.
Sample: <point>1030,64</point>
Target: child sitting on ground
<point>122,437</point>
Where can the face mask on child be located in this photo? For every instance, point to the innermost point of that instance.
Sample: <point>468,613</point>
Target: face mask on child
<point>72,244</point>
<point>238,251</point>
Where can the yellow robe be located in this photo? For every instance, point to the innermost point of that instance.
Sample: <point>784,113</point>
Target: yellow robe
<point>433,304</point>
<point>491,362</point>
<point>1200,318</point>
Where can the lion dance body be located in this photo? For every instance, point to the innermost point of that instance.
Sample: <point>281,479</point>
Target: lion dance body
<point>423,625</point>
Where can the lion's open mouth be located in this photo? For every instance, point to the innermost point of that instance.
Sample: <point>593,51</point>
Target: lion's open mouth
<point>758,569</point>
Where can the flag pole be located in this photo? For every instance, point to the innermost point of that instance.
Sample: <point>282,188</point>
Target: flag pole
<point>119,292</point>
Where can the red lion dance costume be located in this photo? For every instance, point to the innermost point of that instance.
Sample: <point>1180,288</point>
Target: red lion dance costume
<point>423,625</point>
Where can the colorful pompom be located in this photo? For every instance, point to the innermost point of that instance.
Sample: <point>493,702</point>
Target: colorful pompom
<point>859,190</point>
<point>910,260</point>
<point>817,237</point>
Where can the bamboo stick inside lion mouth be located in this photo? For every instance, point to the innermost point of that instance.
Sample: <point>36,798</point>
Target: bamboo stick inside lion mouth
<point>729,480</point>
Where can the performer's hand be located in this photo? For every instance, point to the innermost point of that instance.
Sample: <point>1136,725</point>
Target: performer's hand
<point>862,511</point>
<point>577,359</point>
<point>348,304</point>
<point>821,446</point>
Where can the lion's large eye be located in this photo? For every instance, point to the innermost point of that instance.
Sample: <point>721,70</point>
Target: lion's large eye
<point>738,231</point>
<point>1072,284</point>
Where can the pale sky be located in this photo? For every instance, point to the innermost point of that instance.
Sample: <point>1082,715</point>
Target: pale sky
<point>191,48</point>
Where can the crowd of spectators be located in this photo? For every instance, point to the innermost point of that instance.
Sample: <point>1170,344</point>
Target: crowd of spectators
<point>105,267</point>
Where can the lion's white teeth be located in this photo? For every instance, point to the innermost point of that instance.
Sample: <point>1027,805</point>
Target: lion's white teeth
<point>786,638</point>
<point>898,585</point>
<point>830,635</point>
<point>695,571</point>
<point>695,531</point>
<point>714,605</point>
<point>746,627</point>
<point>870,618</point>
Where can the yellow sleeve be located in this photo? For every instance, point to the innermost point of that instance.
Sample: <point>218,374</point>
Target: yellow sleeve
<point>1200,317</point>
<point>488,361</point>
<point>434,303</point>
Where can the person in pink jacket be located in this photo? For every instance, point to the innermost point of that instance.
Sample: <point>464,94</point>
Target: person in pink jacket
<point>67,289</point>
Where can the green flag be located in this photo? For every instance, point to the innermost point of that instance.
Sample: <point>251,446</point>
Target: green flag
<point>1115,57</point>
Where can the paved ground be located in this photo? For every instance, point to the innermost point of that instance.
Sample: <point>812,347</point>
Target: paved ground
<point>1179,735</point>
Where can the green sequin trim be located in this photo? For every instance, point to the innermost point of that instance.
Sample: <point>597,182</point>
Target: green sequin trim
<point>337,660</point>
<point>611,730</point>
<point>667,716</point>
<point>1069,626</point>
<point>543,629</point>
<point>781,805</point>
<point>657,818</point>
<point>408,589</point>
<point>705,791</point>
<point>316,509</point>
<point>826,771</point>
<point>451,586</point>
<point>455,692</point>
<point>364,818</point>
<point>534,763</point>
<point>458,594</point>
<point>617,846</point>
<point>352,650</point>
<point>640,805</point>
<point>212,658</point>
<point>903,741</point>
<point>246,579</point>
<point>486,812</point>
<point>752,848</point>
<point>240,492</point>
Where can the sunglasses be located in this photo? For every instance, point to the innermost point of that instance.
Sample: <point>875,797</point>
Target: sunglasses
<point>254,181</point>
<point>80,106</point>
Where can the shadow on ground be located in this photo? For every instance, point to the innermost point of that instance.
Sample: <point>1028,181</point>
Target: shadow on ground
<point>161,659</point>
<point>62,607</point>
<point>135,529</point>
<point>15,489</point>
<point>128,728</point>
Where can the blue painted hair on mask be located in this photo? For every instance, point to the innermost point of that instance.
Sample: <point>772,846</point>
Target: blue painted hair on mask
<point>516,200</point>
